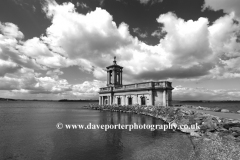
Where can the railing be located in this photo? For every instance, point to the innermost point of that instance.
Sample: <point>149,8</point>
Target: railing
<point>105,89</point>
<point>163,84</point>
<point>129,86</point>
<point>144,85</point>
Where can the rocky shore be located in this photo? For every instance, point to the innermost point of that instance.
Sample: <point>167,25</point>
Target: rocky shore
<point>216,109</point>
<point>216,137</point>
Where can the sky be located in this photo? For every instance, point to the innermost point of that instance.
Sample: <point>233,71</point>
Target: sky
<point>59,49</point>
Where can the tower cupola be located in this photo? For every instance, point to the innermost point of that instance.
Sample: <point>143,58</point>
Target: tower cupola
<point>114,74</point>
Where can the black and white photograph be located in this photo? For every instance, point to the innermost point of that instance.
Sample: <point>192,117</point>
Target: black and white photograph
<point>119,79</point>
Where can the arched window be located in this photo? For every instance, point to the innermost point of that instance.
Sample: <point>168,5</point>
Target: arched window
<point>129,100</point>
<point>119,101</point>
<point>143,100</point>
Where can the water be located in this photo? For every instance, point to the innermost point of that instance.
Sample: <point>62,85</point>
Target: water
<point>28,131</point>
<point>230,105</point>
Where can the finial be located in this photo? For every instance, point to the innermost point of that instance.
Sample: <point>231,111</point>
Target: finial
<point>114,62</point>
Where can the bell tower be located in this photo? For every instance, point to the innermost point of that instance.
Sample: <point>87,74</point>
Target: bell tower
<point>114,74</point>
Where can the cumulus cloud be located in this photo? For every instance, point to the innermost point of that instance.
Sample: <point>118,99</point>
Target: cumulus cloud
<point>83,5</point>
<point>183,93</point>
<point>11,59</point>
<point>43,55</point>
<point>10,30</point>
<point>26,82</point>
<point>187,42</point>
<point>80,36</point>
<point>189,49</point>
<point>140,34</point>
<point>158,33</point>
<point>88,87</point>
<point>150,1</point>
<point>196,49</point>
<point>7,67</point>
<point>227,6</point>
<point>54,73</point>
<point>20,60</point>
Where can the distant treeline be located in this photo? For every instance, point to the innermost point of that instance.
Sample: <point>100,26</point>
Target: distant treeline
<point>93,100</point>
<point>7,99</point>
<point>207,101</point>
<point>62,100</point>
<point>80,100</point>
<point>10,99</point>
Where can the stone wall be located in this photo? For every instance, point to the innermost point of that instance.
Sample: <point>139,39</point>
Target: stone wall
<point>158,97</point>
<point>136,95</point>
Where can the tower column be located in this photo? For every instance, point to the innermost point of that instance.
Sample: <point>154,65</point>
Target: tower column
<point>167,98</point>
<point>119,82</point>
<point>114,77</point>
<point>108,77</point>
<point>100,100</point>
<point>151,98</point>
<point>110,101</point>
<point>164,98</point>
<point>110,72</point>
<point>121,77</point>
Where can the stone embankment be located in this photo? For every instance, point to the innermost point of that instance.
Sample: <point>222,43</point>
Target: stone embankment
<point>216,137</point>
<point>216,109</point>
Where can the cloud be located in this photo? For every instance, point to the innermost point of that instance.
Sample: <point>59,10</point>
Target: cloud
<point>159,34</point>
<point>150,1</point>
<point>88,87</point>
<point>183,93</point>
<point>80,37</point>
<point>43,55</point>
<point>7,67</point>
<point>178,72</point>
<point>54,73</point>
<point>181,41</point>
<point>188,50</point>
<point>227,6</point>
<point>138,32</point>
<point>26,82</point>
<point>21,60</point>
<point>11,59</point>
<point>83,5</point>
<point>192,48</point>
<point>10,30</point>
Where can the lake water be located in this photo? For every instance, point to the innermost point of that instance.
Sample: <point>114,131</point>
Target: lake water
<point>28,132</point>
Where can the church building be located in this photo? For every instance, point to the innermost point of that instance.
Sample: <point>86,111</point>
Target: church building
<point>146,93</point>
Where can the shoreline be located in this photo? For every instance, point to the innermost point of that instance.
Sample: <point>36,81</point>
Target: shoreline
<point>217,138</point>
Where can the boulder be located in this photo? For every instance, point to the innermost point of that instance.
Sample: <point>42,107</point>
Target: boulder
<point>238,111</point>
<point>208,126</point>
<point>231,125</point>
<point>224,110</point>
<point>217,110</point>
<point>229,137</point>
<point>183,121</point>
<point>187,130</point>
<point>195,134</point>
<point>235,129</point>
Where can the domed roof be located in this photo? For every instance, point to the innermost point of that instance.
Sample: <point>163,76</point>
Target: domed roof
<point>114,64</point>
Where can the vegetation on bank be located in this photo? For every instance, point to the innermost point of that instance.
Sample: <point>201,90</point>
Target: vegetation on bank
<point>217,138</point>
<point>78,100</point>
